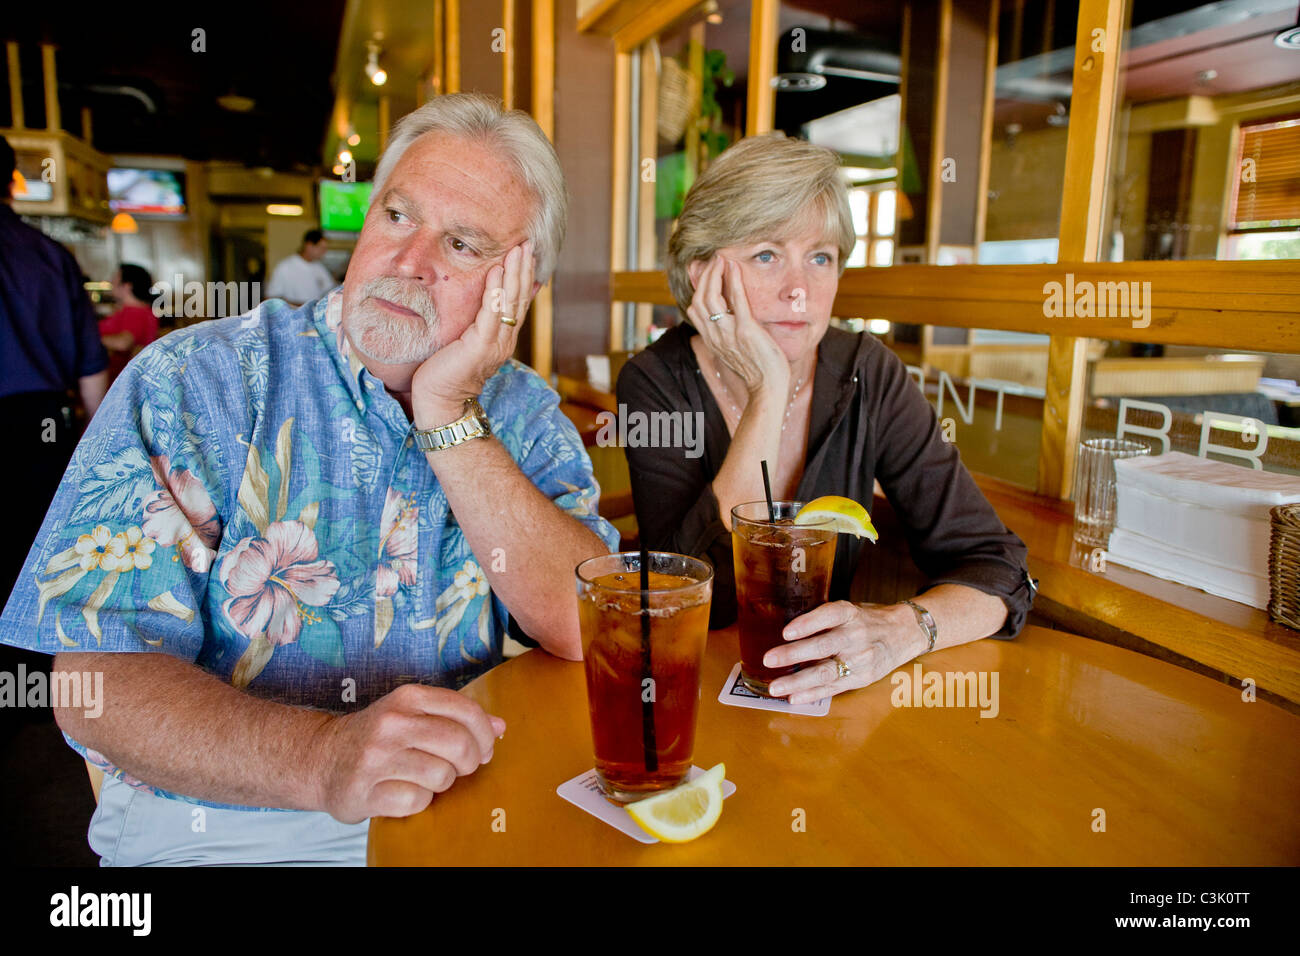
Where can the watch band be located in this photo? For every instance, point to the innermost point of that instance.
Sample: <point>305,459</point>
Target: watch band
<point>926,620</point>
<point>473,424</point>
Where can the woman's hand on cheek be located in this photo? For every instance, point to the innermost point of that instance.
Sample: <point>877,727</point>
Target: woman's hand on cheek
<point>733,338</point>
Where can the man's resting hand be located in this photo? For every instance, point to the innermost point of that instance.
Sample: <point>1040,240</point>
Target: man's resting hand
<point>391,758</point>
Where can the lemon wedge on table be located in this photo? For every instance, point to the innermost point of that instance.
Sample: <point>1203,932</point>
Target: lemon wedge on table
<point>685,812</point>
<point>845,515</point>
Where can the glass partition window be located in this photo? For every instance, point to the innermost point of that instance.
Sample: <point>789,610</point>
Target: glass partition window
<point>700,69</point>
<point>1033,88</point>
<point>1205,160</point>
<point>1266,195</point>
<point>986,387</point>
<point>1240,407</point>
<point>873,223</point>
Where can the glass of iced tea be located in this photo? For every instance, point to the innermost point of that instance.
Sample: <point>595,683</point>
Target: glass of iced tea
<point>642,651</point>
<point>782,570</point>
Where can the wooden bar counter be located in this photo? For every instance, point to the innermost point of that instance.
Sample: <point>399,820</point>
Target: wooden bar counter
<point>1177,768</point>
<point>1112,602</point>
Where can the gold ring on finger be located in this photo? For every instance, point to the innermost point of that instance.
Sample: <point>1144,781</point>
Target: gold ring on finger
<point>717,315</point>
<point>509,320</point>
<point>842,670</point>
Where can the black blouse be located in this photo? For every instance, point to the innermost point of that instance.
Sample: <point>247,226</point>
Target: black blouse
<point>869,422</point>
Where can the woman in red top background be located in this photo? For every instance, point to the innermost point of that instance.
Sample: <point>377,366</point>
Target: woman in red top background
<point>134,325</point>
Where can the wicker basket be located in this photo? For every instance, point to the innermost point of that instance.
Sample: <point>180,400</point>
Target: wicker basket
<point>1284,566</point>
<point>678,94</point>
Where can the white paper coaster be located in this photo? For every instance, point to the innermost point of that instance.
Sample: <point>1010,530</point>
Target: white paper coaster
<point>583,791</point>
<point>735,694</point>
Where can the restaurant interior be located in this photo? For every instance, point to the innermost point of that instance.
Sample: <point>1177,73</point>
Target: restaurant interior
<point>1001,156</point>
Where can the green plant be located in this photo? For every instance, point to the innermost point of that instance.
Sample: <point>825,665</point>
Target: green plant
<point>716,72</point>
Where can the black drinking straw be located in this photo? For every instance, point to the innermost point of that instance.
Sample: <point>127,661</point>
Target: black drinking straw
<point>647,706</point>
<point>767,490</point>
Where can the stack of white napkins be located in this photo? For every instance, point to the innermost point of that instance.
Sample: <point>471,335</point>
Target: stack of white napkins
<point>1198,522</point>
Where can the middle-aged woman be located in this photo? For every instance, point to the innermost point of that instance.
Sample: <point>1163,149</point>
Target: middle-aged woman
<point>754,263</point>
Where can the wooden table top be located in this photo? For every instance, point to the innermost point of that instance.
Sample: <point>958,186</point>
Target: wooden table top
<point>1184,770</point>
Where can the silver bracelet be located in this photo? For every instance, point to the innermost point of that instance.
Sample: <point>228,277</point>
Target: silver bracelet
<point>926,621</point>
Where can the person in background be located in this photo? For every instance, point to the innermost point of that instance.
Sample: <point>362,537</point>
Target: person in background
<point>49,349</point>
<point>134,325</point>
<point>302,277</point>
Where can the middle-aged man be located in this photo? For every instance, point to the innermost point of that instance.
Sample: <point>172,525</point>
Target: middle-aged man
<point>302,277</point>
<point>272,519</point>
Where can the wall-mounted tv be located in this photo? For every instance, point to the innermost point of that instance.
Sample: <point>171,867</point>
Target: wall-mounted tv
<point>31,182</point>
<point>147,192</point>
<point>343,205</point>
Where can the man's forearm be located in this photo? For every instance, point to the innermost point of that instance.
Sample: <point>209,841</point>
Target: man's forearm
<point>176,727</point>
<point>526,546</point>
<point>92,388</point>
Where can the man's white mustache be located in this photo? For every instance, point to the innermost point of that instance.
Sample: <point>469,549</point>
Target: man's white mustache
<point>408,295</point>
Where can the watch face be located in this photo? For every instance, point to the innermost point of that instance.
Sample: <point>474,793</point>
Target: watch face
<point>479,416</point>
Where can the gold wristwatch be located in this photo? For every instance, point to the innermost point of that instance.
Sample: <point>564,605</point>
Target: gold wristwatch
<point>473,424</point>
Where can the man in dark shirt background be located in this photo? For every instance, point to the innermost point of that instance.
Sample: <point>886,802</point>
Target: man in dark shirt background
<point>49,346</point>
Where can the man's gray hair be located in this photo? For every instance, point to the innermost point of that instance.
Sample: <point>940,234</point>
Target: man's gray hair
<point>514,136</point>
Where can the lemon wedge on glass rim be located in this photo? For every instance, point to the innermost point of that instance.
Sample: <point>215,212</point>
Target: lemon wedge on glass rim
<point>846,516</point>
<point>685,812</point>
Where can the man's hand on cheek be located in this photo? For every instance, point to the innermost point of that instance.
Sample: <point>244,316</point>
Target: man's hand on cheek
<point>459,370</point>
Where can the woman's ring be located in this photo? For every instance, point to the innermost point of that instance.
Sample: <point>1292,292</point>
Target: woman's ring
<point>842,670</point>
<point>717,315</point>
<point>509,320</point>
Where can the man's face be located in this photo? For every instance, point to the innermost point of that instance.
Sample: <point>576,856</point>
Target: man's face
<point>448,212</point>
<point>317,250</point>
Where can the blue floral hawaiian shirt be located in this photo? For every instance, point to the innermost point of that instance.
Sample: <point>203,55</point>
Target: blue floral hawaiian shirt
<point>249,498</point>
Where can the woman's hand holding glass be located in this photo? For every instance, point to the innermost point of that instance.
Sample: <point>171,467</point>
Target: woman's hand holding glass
<point>871,640</point>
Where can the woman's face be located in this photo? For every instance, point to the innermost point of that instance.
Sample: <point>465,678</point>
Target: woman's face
<point>790,285</point>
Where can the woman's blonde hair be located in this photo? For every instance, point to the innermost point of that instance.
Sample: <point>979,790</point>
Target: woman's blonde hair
<point>763,187</point>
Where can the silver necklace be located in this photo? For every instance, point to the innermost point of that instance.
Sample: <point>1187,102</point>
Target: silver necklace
<point>732,402</point>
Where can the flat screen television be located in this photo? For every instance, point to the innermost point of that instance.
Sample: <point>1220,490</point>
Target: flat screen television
<point>343,205</point>
<point>30,182</point>
<point>147,192</point>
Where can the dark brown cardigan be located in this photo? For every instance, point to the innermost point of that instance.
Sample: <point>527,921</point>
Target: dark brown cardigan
<point>869,422</point>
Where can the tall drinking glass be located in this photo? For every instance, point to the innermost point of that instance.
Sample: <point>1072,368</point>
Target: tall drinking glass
<point>642,651</point>
<point>1094,486</point>
<point>783,570</point>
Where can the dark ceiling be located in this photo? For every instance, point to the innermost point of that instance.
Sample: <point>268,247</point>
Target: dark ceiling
<point>134,64</point>
<point>1176,48</point>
